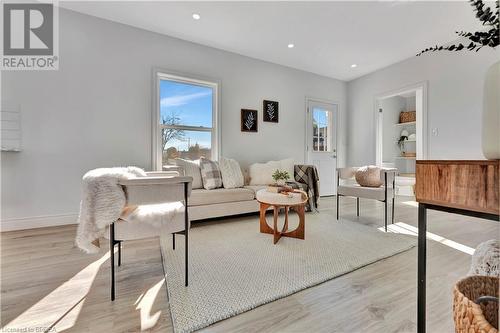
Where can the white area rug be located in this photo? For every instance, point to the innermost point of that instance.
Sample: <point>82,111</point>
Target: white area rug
<point>235,268</point>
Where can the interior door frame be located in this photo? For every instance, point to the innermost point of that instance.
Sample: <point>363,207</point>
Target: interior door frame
<point>422,119</point>
<point>308,126</point>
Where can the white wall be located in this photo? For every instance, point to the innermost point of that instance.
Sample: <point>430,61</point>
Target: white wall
<point>95,111</point>
<point>455,92</point>
<point>411,104</point>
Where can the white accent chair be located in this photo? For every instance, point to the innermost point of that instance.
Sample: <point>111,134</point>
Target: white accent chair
<point>350,188</point>
<point>163,195</point>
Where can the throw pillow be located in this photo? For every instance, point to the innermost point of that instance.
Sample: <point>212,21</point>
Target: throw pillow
<point>191,169</point>
<point>368,176</point>
<point>232,177</point>
<point>210,174</point>
<point>289,166</point>
<point>262,173</point>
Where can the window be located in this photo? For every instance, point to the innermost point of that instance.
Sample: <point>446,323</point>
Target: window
<point>322,127</point>
<point>185,119</point>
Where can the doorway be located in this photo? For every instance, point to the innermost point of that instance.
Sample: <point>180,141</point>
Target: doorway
<point>321,147</point>
<point>401,133</point>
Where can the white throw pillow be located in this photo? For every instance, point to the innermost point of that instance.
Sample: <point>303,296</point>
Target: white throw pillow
<point>289,166</point>
<point>232,177</point>
<point>262,173</point>
<point>191,169</point>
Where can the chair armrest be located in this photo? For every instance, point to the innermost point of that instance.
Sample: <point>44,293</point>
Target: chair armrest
<point>156,190</point>
<point>390,173</point>
<point>170,173</point>
<point>155,180</point>
<point>171,167</point>
<point>346,173</point>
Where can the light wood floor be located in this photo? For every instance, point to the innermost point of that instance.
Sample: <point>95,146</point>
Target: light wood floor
<point>47,283</point>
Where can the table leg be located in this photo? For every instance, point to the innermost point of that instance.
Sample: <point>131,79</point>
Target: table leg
<point>277,234</point>
<point>421,275</point>
<point>285,226</point>
<point>264,227</point>
<point>300,231</point>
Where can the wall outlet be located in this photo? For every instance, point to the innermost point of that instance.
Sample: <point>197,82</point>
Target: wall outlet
<point>435,132</point>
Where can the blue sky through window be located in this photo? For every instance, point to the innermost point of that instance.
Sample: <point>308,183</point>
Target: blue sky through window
<point>192,104</point>
<point>320,117</point>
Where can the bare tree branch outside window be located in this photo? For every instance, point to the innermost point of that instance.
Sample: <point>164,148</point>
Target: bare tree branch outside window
<point>169,134</point>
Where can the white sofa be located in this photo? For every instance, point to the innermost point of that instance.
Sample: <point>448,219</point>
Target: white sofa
<point>205,204</point>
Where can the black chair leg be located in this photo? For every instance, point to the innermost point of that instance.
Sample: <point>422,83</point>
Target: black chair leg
<point>338,197</point>
<point>385,215</point>
<point>173,241</point>
<point>119,253</point>
<point>357,206</point>
<point>392,210</point>
<point>186,232</point>
<point>112,258</point>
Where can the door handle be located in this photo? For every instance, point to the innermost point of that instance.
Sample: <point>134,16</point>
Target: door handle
<point>334,156</point>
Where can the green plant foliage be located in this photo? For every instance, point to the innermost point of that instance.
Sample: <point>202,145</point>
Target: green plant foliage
<point>278,174</point>
<point>478,39</point>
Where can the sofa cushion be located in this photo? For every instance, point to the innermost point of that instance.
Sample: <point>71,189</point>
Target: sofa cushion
<point>262,173</point>
<point>255,188</point>
<point>288,165</point>
<point>210,174</point>
<point>208,197</point>
<point>191,169</point>
<point>232,177</point>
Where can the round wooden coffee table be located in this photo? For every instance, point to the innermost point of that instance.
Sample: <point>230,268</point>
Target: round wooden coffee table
<point>277,200</point>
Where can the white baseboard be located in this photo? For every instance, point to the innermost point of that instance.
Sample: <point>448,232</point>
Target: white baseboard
<point>37,222</point>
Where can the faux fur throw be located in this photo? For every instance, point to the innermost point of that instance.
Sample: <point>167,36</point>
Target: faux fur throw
<point>102,203</point>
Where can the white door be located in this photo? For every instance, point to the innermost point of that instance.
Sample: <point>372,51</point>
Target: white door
<point>322,144</point>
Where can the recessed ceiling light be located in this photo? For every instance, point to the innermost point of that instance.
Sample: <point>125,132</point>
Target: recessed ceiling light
<point>354,66</point>
<point>196,16</point>
<point>291,46</point>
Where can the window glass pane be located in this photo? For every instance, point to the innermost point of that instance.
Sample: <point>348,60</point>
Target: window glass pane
<point>321,124</point>
<point>185,104</point>
<point>189,145</point>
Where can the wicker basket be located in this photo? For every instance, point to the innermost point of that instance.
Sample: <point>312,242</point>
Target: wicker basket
<point>407,116</point>
<point>470,317</point>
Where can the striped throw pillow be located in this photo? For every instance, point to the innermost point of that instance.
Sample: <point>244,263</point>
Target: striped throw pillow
<point>210,174</point>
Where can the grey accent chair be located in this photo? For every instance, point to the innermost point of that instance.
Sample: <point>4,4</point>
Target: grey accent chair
<point>159,193</point>
<point>347,187</point>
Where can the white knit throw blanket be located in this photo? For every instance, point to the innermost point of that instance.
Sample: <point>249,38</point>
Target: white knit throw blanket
<point>102,203</point>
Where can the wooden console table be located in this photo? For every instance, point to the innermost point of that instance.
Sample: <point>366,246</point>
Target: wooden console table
<point>461,187</point>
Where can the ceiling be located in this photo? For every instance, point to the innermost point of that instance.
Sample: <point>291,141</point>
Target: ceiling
<point>328,36</point>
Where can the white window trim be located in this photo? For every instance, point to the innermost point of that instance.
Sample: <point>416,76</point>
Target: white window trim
<point>156,148</point>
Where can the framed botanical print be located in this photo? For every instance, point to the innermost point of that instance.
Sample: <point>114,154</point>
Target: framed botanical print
<point>271,112</point>
<point>249,120</point>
